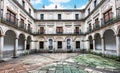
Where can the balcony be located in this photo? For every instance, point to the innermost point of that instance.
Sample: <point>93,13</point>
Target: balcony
<point>12,21</point>
<point>22,25</point>
<point>29,29</point>
<point>103,24</point>
<point>59,33</point>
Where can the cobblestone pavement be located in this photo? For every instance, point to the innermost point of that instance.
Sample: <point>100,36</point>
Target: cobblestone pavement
<point>30,64</point>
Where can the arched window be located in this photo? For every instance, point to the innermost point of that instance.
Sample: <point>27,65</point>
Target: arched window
<point>50,44</point>
<point>68,44</point>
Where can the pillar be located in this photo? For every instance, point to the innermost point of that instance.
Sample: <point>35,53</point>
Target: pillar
<point>73,46</point>
<point>0,9</point>
<point>117,45</point>
<point>93,44</point>
<point>31,44</point>
<point>103,45</point>
<point>1,46</point>
<point>45,45</point>
<point>64,46</point>
<point>55,46</point>
<point>15,48</point>
<point>25,44</point>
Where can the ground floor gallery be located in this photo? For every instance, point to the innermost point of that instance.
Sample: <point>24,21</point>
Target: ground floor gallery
<point>14,42</point>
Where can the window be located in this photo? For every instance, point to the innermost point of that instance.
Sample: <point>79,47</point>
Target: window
<point>11,17</point>
<point>42,16</point>
<point>96,21</point>
<point>22,24</point>
<point>59,44</point>
<point>90,27</point>
<point>50,44</point>
<point>59,30</point>
<point>29,28</point>
<point>76,16</point>
<point>77,44</point>
<point>41,30</point>
<point>29,11</point>
<point>95,3</point>
<point>108,15</point>
<point>23,3</point>
<point>59,16</point>
<point>68,44</point>
<point>41,45</point>
<point>77,30</point>
<point>89,11</point>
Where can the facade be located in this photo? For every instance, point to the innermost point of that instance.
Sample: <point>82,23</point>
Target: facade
<point>24,29</point>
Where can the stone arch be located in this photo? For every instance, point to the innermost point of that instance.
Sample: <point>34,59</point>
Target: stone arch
<point>98,45</point>
<point>21,42</point>
<point>28,45</point>
<point>90,38</point>
<point>9,44</point>
<point>109,39</point>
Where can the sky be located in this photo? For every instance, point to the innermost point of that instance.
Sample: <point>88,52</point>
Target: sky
<point>61,4</point>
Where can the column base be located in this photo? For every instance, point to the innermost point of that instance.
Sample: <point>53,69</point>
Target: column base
<point>15,57</point>
<point>1,61</point>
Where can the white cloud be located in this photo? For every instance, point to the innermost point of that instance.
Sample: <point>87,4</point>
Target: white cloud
<point>59,1</point>
<point>52,6</point>
<point>36,1</point>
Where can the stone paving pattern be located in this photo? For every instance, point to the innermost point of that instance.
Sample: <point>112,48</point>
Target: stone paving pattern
<point>28,64</point>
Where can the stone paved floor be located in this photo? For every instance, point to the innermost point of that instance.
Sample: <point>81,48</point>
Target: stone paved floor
<point>30,64</point>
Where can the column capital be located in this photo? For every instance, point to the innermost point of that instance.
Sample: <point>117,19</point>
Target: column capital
<point>2,35</point>
<point>102,37</point>
<point>16,38</point>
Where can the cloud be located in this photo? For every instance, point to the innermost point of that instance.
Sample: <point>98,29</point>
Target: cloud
<point>59,1</point>
<point>52,6</point>
<point>36,1</point>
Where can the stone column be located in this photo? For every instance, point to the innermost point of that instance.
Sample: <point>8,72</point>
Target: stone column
<point>31,44</point>
<point>117,45</point>
<point>1,46</point>
<point>73,46</point>
<point>103,45</point>
<point>15,48</point>
<point>25,44</point>
<point>0,9</point>
<point>93,44</point>
<point>88,45</point>
<point>64,46</point>
<point>55,46</point>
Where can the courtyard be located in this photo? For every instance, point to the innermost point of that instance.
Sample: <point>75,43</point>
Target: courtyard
<point>60,63</point>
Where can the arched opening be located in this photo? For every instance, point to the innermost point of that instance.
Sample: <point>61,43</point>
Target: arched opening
<point>90,43</point>
<point>50,44</point>
<point>9,44</point>
<point>109,40</point>
<point>21,42</point>
<point>28,43</point>
<point>98,42</point>
<point>68,44</point>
